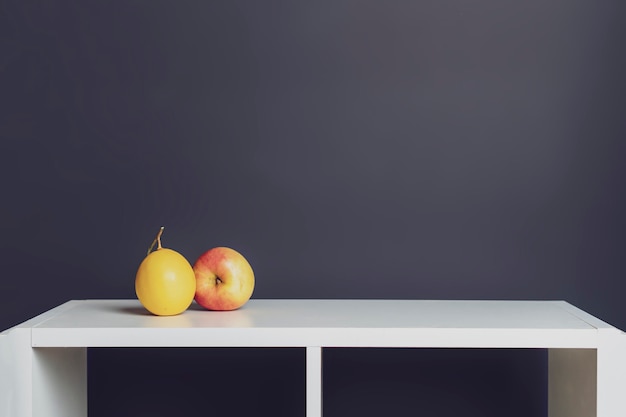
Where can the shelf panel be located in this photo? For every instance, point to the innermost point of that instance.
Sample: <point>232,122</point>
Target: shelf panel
<point>326,323</point>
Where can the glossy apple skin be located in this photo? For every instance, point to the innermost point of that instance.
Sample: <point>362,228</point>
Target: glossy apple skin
<point>224,279</point>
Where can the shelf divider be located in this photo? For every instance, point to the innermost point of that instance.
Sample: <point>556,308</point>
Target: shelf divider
<point>313,381</point>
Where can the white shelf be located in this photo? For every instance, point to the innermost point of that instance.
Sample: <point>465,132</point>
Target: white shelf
<point>337,323</point>
<point>587,355</point>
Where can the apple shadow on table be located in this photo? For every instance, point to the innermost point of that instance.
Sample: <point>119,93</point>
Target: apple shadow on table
<point>136,311</point>
<point>141,311</point>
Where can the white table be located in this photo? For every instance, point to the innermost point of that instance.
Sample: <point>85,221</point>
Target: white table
<point>43,370</point>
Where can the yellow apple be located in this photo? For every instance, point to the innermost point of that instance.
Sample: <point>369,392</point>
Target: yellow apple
<point>165,282</point>
<point>224,279</point>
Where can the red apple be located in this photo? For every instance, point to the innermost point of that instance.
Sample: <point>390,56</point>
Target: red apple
<point>224,279</point>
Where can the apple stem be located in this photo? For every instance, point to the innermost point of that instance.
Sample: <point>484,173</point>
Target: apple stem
<point>156,241</point>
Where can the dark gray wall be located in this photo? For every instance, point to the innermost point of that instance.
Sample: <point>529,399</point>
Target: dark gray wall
<point>350,149</point>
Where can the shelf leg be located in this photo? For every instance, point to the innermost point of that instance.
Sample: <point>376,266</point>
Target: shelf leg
<point>41,382</point>
<point>16,398</point>
<point>572,383</point>
<point>612,375</point>
<point>313,381</point>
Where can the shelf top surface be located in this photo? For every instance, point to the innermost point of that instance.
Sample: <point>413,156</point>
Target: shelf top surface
<point>326,314</point>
